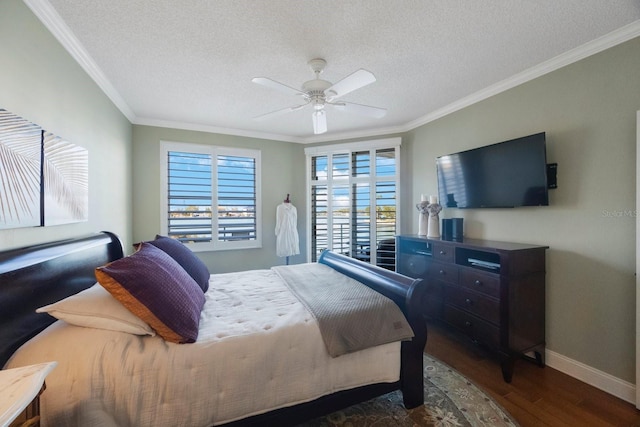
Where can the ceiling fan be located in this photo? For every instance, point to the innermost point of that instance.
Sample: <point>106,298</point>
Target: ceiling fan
<point>320,93</point>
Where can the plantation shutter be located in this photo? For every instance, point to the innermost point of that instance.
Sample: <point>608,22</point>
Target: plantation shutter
<point>189,196</point>
<point>319,205</point>
<point>236,198</point>
<point>212,196</point>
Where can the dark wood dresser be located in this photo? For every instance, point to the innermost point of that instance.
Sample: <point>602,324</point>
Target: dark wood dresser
<point>492,292</point>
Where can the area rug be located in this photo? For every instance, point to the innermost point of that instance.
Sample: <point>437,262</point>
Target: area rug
<point>450,400</point>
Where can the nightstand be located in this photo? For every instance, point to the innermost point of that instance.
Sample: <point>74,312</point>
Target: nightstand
<point>20,395</point>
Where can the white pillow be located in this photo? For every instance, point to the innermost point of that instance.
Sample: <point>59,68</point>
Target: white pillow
<point>96,308</point>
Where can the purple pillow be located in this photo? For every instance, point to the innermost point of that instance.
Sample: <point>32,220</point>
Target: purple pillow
<point>156,289</point>
<point>186,258</point>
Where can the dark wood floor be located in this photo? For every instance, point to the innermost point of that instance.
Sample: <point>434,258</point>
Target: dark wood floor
<point>536,396</point>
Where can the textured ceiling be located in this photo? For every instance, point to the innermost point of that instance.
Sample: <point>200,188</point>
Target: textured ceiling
<point>189,63</point>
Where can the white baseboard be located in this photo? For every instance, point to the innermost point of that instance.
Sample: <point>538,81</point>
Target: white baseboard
<point>606,382</point>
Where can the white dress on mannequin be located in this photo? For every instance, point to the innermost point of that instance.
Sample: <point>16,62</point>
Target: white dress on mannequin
<point>287,243</point>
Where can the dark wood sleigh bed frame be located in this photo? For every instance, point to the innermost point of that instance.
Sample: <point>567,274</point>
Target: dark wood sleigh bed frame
<point>38,275</point>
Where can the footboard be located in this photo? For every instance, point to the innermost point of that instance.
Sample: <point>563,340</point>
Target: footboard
<point>407,294</point>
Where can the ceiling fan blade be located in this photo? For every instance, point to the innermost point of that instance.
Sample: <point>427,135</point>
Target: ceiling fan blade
<point>364,110</point>
<point>319,122</point>
<point>280,87</point>
<point>350,83</point>
<point>280,112</point>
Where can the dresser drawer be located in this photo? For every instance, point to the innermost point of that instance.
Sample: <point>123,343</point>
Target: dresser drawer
<point>414,265</point>
<point>480,282</point>
<point>441,271</point>
<point>481,305</point>
<point>472,326</point>
<point>443,252</point>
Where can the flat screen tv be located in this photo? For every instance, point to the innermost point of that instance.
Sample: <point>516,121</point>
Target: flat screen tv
<point>503,175</point>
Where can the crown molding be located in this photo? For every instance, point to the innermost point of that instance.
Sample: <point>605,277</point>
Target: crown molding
<point>342,136</point>
<point>315,150</point>
<point>54,23</point>
<point>607,41</point>
<point>215,129</point>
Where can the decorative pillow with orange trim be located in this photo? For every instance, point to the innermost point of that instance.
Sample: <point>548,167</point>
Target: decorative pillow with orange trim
<point>154,287</point>
<point>186,258</point>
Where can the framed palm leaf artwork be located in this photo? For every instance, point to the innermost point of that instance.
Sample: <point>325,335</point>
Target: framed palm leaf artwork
<point>65,180</point>
<point>44,179</point>
<point>20,172</point>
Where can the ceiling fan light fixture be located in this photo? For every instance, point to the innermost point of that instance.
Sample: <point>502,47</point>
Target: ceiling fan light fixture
<point>319,122</point>
<point>318,93</point>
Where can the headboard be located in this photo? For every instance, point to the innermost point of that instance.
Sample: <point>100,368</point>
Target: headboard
<point>38,275</point>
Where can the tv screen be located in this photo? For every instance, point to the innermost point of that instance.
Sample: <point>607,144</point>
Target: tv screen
<point>503,175</point>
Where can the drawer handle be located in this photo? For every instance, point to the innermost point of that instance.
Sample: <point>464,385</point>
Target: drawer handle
<point>442,272</point>
<point>468,301</point>
<point>477,283</point>
<point>443,252</point>
<point>467,324</point>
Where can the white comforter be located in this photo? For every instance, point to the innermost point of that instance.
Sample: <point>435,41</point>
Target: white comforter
<point>258,349</point>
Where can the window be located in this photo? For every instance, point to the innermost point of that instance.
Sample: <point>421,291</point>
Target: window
<point>354,207</point>
<point>210,196</point>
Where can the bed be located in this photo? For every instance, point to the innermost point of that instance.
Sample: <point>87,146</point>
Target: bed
<point>39,275</point>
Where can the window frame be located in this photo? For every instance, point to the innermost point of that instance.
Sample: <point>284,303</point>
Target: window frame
<point>348,148</point>
<point>214,151</point>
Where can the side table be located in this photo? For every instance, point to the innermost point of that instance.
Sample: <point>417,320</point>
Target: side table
<point>20,394</point>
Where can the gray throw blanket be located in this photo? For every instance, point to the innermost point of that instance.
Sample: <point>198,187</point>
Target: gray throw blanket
<point>351,315</point>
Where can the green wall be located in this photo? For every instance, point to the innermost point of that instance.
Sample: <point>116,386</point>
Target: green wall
<point>283,171</point>
<point>42,83</point>
<point>588,110</point>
